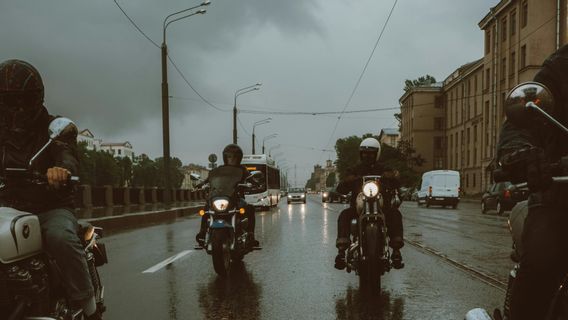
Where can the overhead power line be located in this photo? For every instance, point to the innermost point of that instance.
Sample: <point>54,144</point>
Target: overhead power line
<point>362,73</point>
<point>170,59</point>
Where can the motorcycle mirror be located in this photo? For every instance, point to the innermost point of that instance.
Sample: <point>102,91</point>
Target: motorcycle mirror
<point>524,100</point>
<point>61,127</point>
<point>58,128</point>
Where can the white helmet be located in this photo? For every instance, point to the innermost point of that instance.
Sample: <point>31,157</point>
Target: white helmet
<point>371,144</point>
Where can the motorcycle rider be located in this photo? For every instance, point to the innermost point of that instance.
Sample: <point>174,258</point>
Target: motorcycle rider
<point>527,154</point>
<point>232,156</point>
<point>369,152</point>
<point>24,125</point>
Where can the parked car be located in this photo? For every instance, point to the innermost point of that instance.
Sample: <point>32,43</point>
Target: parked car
<point>296,195</point>
<point>331,195</point>
<point>440,187</point>
<point>502,197</point>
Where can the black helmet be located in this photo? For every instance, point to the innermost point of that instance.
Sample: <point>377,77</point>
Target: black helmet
<point>21,95</point>
<point>235,151</point>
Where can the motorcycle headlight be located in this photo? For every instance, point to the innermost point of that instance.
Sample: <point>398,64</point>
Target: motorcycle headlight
<point>221,204</point>
<point>371,189</point>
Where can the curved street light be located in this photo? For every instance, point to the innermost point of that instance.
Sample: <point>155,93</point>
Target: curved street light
<point>165,93</point>
<point>238,93</point>
<point>272,136</point>
<point>258,123</point>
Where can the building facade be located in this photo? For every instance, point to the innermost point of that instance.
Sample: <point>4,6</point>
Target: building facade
<point>87,137</point>
<point>121,150</point>
<point>390,137</point>
<point>518,36</point>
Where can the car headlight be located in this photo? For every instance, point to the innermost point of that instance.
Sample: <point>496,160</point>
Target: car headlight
<point>303,195</point>
<point>325,194</point>
<point>289,196</point>
<point>370,189</point>
<point>221,204</point>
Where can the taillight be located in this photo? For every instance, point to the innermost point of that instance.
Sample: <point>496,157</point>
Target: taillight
<point>430,190</point>
<point>507,194</point>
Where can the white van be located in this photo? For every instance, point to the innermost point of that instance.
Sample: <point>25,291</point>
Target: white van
<point>440,187</point>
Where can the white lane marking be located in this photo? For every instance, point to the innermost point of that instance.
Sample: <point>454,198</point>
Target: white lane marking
<point>167,261</point>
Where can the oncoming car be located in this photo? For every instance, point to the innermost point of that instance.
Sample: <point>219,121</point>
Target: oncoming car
<point>296,195</point>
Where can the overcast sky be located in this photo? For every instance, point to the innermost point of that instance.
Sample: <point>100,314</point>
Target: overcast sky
<point>101,72</point>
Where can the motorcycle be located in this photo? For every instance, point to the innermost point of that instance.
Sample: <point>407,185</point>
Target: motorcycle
<point>521,105</point>
<point>369,253</point>
<point>226,239</point>
<point>30,280</point>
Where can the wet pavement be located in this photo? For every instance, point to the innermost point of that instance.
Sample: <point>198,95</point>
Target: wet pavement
<point>101,212</point>
<point>293,276</point>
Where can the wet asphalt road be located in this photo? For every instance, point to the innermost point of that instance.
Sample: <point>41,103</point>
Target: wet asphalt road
<point>293,276</point>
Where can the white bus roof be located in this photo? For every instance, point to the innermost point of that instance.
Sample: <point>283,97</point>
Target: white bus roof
<point>257,159</point>
<point>452,172</point>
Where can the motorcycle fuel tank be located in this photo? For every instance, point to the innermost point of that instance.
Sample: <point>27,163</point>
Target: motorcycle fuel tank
<point>20,235</point>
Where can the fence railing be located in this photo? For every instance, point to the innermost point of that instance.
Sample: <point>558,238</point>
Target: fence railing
<point>108,196</point>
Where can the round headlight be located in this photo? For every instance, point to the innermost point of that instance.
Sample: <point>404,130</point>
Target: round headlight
<point>220,204</point>
<point>370,189</point>
<point>303,195</point>
<point>325,194</point>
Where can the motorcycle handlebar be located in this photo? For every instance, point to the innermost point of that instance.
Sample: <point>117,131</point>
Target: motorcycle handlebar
<point>34,177</point>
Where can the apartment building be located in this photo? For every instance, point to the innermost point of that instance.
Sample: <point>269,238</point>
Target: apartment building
<point>389,136</point>
<point>422,124</point>
<point>518,36</point>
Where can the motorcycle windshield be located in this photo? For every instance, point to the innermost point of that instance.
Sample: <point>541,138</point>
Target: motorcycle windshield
<point>223,181</point>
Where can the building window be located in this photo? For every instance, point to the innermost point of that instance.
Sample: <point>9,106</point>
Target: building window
<point>504,69</point>
<point>487,41</point>
<point>474,156</point>
<point>523,56</point>
<point>437,143</point>
<point>438,102</point>
<point>474,179</point>
<point>525,14</point>
<point>513,21</point>
<point>504,29</point>
<point>475,133</point>
<point>487,78</point>
<point>438,123</point>
<point>468,135</point>
<point>512,65</point>
<point>468,156</point>
<point>119,151</point>
<point>475,85</point>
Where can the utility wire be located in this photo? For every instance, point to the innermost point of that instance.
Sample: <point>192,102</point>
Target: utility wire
<point>362,73</point>
<point>169,58</point>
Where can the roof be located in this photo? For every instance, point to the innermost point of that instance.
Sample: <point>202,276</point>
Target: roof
<point>86,133</point>
<point>390,131</point>
<point>116,144</point>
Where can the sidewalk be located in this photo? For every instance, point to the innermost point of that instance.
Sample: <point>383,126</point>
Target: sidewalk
<point>119,218</point>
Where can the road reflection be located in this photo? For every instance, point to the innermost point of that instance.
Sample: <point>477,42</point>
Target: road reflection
<point>234,297</point>
<point>355,305</point>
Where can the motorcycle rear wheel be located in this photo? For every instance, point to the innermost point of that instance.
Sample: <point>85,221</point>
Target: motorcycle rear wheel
<point>221,252</point>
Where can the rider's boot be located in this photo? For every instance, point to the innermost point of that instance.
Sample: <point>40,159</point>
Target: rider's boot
<point>340,263</point>
<point>396,259</point>
<point>252,240</point>
<point>200,238</point>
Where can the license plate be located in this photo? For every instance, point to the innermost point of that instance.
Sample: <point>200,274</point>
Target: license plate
<point>439,198</point>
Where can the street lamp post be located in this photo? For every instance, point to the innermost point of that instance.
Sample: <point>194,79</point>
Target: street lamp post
<point>238,93</point>
<point>272,136</point>
<point>165,94</point>
<point>258,123</point>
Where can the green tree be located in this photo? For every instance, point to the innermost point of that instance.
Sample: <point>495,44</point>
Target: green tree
<point>145,173</point>
<point>86,164</point>
<point>402,158</point>
<point>331,180</point>
<point>125,171</point>
<point>176,173</point>
<point>420,82</point>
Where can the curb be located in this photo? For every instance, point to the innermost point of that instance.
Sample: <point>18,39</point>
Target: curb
<point>141,219</point>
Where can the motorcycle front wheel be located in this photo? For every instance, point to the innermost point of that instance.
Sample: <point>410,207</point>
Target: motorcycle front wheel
<point>221,252</point>
<point>370,272</point>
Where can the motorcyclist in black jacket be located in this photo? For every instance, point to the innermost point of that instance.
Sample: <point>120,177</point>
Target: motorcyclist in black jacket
<point>369,152</point>
<point>527,153</point>
<point>24,125</point>
<point>232,156</point>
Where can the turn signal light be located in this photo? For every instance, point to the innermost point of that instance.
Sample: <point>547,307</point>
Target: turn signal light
<point>242,210</point>
<point>202,212</point>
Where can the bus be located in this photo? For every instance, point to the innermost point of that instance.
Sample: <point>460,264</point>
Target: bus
<point>268,194</point>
